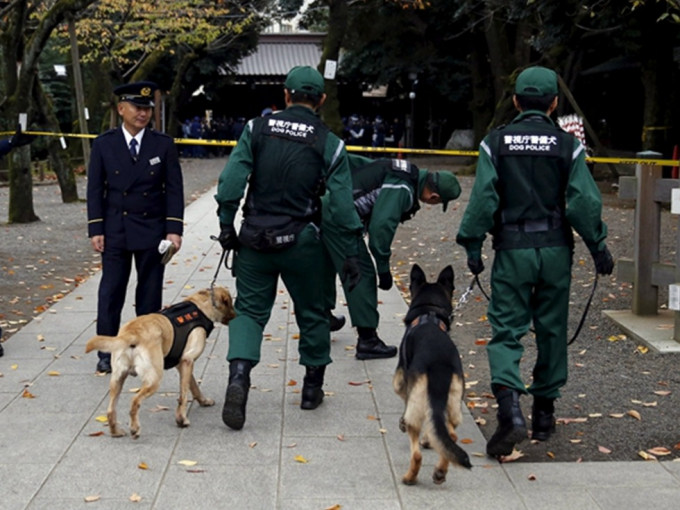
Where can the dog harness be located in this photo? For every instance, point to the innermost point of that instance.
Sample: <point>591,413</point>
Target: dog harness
<point>430,317</point>
<point>184,317</point>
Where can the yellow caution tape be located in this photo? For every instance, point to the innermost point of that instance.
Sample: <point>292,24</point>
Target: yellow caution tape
<point>389,150</point>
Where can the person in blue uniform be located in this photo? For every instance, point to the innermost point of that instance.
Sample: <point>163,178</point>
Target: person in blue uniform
<point>6,145</point>
<point>135,200</point>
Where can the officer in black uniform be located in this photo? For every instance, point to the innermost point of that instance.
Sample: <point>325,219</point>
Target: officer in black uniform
<point>135,199</point>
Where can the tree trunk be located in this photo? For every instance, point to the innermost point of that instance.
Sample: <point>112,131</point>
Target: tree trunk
<point>176,92</point>
<point>21,187</point>
<point>337,26</point>
<point>65,175</point>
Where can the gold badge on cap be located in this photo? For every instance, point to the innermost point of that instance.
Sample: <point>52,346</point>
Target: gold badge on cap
<point>146,91</point>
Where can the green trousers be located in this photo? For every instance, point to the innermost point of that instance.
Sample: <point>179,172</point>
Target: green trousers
<point>301,267</point>
<point>530,285</point>
<point>362,302</point>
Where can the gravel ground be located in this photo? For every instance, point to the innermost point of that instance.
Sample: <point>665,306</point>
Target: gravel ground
<point>612,380</point>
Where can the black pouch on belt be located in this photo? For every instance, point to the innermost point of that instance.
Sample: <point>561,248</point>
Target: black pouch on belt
<point>270,233</point>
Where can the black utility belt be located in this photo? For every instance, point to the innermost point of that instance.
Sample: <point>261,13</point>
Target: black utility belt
<point>271,233</point>
<point>542,225</point>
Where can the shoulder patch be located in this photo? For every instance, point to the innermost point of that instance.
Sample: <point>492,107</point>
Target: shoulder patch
<point>529,144</point>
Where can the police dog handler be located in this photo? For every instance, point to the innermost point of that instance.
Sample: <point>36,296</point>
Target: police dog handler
<point>386,192</point>
<point>288,161</point>
<point>135,200</point>
<point>532,187</point>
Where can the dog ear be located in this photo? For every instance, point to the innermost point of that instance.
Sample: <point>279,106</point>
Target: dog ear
<point>417,279</point>
<point>445,279</point>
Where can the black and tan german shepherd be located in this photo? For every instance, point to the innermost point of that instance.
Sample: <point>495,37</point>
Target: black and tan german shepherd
<point>429,376</point>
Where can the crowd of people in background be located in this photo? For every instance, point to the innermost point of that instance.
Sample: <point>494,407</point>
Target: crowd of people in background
<point>358,130</point>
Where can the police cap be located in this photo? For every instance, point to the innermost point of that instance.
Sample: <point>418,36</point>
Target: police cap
<point>536,81</point>
<point>139,93</point>
<point>305,79</point>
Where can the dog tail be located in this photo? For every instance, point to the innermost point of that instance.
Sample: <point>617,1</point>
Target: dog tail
<point>102,343</point>
<point>446,445</point>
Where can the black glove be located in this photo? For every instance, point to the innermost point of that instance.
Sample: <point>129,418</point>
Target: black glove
<point>351,272</point>
<point>19,138</point>
<point>385,280</point>
<point>228,238</point>
<point>604,263</point>
<point>475,265</point>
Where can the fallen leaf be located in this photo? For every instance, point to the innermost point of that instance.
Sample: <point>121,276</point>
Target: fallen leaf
<point>467,440</point>
<point>516,454</point>
<point>634,414</point>
<point>334,507</point>
<point>617,415</point>
<point>662,393</point>
<point>41,338</point>
<point>96,434</point>
<point>53,373</point>
<point>187,463</point>
<point>550,454</point>
<point>659,451</point>
<point>649,404</point>
<point>371,417</point>
<point>642,349</point>
<point>604,449</point>
<point>101,419</point>
<point>292,382</point>
<point>481,341</point>
<point>135,498</point>
<point>27,394</point>
<point>300,459</point>
<point>91,499</point>
<point>359,383</point>
<point>341,437</point>
<point>143,465</point>
<point>646,455</point>
<point>595,415</point>
<point>159,408</point>
<point>291,445</point>
<point>531,477</point>
<point>575,441</point>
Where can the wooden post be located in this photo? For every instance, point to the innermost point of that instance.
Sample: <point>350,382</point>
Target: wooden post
<point>647,233</point>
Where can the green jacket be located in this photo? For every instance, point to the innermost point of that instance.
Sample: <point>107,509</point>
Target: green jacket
<point>580,206</point>
<point>287,188</point>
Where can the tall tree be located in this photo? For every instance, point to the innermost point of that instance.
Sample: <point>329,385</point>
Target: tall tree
<point>24,32</point>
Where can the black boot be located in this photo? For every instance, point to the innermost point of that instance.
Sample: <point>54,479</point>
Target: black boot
<point>312,392</point>
<point>104,363</point>
<point>512,428</point>
<point>542,418</point>
<point>370,346</point>
<point>336,321</point>
<point>234,410</point>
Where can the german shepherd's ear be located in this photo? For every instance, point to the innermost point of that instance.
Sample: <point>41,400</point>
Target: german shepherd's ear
<point>418,279</point>
<point>445,279</point>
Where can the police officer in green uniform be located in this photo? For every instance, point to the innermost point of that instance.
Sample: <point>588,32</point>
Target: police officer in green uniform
<point>532,187</point>
<point>288,161</point>
<point>135,200</point>
<point>386,192</point>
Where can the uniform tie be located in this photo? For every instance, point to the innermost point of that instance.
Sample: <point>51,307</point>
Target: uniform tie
<point>133,149</point>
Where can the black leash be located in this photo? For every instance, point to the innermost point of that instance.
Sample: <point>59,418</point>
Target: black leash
<point>225,255</point>
<point>475,280</point>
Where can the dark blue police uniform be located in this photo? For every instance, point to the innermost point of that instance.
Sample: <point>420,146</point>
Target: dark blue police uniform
<point>134,203</point>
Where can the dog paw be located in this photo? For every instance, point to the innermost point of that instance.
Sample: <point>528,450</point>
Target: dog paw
<point>206,402</point>
<point>408,481</point>
<point>117,431</point>
<point>439,476</point>
<point>134,433</point>
<point>402,424</point>
<point>182,421</point>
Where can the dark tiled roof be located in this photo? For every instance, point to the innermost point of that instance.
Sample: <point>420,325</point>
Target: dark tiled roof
<point>276,54</point>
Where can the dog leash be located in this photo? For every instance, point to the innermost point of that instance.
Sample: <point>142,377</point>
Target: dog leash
<point>223,257</point>
<point>475,280</point>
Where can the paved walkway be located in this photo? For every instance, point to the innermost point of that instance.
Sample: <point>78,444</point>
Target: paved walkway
<point>349,453</point>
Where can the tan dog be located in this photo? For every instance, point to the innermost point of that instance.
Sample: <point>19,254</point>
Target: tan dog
<point>149,343</point>
<point>429,376</point>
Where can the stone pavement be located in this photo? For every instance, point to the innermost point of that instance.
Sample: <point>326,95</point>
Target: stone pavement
<point>349,453</point>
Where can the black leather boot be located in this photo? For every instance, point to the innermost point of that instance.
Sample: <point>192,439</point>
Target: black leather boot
<point>312,391</point>
<point>370,346</point>
<point>336,322</point>
<point>234,410</point>
<point>542,418</point>
<point>512,428</point>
